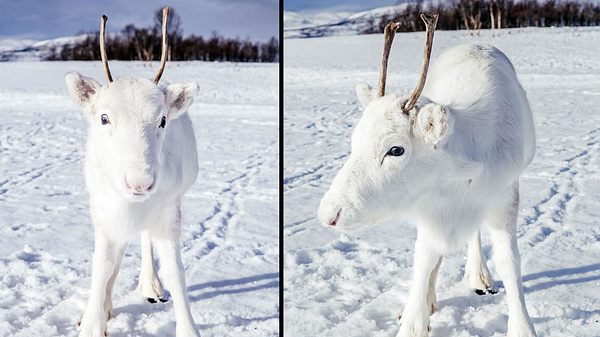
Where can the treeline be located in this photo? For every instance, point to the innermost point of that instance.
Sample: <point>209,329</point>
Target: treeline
<point>144,44</point>
<point>474,15</point>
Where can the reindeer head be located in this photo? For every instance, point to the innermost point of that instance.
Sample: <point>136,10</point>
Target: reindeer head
<point>129,119</point>
<point>397,151</point>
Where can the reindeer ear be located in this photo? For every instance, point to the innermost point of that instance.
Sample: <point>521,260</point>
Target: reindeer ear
<point>365,94</point>
<point>82,89</point>
<point>179,97</point>
<point>433,124</point>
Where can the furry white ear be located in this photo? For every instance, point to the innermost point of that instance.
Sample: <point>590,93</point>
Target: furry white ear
<point>433,124</point>
<point>365,94</point>
<point>82,89</point>
<point>179,97</point>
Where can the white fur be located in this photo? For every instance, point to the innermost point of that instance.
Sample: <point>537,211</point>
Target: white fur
<point>136,174</point>
<point>466,143</point>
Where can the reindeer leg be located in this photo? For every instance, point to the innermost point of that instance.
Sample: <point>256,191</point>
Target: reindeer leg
<point>431,298</point>
<point>502,225</point>
<point>108,304</point>
<point>107,256</point>
<point>149,284</point>
<point>477,274</point>
<point>415,317</point>
<point>166,242</point>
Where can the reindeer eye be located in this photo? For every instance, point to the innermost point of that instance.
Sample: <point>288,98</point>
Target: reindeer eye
<point>104,119</point>
<point>396,151</point>
<point>163,121</point>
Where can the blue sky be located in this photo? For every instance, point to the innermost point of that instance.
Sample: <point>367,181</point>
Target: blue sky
<point>335,5</point>
<point>39,19</point>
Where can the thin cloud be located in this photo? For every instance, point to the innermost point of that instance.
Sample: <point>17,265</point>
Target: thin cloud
<point>258,20</point>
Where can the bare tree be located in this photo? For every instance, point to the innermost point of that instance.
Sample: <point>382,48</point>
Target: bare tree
<point>492,20</point>
<point>499,14</point>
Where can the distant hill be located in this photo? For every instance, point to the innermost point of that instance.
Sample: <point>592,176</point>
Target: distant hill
<point>30,50</point>
<point>453,15</point>
<point>299,25</point>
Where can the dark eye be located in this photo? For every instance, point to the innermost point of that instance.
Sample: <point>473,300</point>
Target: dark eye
<point>396,151</point>
<point>163,121</point>
<point>104,119</point>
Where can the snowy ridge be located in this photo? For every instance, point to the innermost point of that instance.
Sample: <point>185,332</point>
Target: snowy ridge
<point>323,23</point>
<point>229,228</point>
<point>30,50</point>
<point>320,24</point>
<point>355,284</point>
<point>300,25</point>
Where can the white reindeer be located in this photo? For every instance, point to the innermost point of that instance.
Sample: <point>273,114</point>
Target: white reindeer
<point>140,159</point>
<point>451,160</point>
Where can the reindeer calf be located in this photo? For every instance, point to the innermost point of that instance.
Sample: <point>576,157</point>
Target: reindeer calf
<point>140,159</point>
<point>451,160</point>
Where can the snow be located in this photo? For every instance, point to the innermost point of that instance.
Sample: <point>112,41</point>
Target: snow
<point>230,216</point>
<point>298,20</point>
<point>32,50</point>
<point>355,284</point>
<point>14,44</point>
<point>333,23</point>
<point>319,24</point>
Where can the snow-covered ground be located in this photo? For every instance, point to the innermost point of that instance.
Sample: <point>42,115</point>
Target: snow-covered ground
<point>230,216</point>
<point>356,284</point>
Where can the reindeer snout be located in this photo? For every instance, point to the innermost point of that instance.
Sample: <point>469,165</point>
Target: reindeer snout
<point>139,184</point>
<point>332,222</point>
<point>329,213</point>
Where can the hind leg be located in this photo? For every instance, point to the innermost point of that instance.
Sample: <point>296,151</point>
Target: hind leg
<point>477,274</point>
<point>149,284</point>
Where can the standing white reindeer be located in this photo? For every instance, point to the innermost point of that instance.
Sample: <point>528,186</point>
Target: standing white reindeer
<point>451,159</point>
<point>140,159</point>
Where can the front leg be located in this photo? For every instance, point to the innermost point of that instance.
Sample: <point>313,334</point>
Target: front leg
<point>108,304</point>
<point>508,263</point>
<point>431,298</point>
<point>107,256</point>
<point>166,241</point>
<point>415,317</point>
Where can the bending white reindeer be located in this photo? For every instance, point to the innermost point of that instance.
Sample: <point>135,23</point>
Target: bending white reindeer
<point>450,159</point>
<point>140,159</point>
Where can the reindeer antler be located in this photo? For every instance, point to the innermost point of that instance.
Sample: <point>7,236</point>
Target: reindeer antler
<point>163,56</point>
<point>430,23</point>
<point>103,49</point>
<point>388,37</point>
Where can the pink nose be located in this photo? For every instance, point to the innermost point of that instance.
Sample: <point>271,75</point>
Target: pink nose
<point>140,187</point>
<point>333,222</point>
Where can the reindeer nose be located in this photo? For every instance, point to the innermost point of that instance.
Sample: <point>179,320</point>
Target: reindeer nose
<point>333,221</point>
<point>139,185</point>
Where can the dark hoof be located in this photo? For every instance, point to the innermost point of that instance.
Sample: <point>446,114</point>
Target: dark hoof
<point>151,300</point>
<point>490,291</point>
